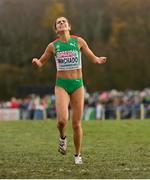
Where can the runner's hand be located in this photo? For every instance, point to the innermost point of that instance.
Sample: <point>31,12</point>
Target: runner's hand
<point>36,62</point>
<point>101,60</point>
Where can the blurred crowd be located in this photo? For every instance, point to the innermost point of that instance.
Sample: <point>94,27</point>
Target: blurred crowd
<point>113,104</point>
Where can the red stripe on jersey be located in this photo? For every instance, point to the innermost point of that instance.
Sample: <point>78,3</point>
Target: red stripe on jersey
<point>56,40</point>
<point>74,36</point>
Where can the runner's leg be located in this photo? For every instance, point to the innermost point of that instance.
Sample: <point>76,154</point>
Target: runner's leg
<point>62,102</point>
<point>77,104</point>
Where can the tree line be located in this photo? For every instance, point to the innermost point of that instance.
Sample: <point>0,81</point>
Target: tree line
<point>116,29</point>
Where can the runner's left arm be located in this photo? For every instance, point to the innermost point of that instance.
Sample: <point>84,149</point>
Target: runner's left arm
<point>88,52</point>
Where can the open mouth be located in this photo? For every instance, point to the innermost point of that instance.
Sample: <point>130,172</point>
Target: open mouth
<point>62,26</point>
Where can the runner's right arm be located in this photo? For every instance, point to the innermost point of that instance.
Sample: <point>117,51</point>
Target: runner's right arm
<point>45,56</point>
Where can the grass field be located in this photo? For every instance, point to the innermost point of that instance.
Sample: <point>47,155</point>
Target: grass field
<point>111,149</point>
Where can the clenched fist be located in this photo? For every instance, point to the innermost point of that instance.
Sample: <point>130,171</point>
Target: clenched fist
<point>36,62</point>
<point>101,60</point>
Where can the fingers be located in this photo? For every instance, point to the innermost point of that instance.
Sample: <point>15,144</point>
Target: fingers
<point>34,60</point>
<point>103,60</point>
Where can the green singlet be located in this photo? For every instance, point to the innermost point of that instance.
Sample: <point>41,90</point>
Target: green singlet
<point>68,57</point>
<point>67,54</point>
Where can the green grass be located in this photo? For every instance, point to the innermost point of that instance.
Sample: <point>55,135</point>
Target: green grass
<point>111,149</point>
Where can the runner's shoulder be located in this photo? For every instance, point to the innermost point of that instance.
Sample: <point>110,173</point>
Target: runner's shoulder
<point>77,37</point>
<point>81,42</point>
<point>50,47</point>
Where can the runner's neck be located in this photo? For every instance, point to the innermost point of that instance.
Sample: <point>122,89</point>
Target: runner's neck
<point>64,37</point>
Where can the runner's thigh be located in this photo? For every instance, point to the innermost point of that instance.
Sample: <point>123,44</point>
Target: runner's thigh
<point>62,102</point>
<point>77,103</point>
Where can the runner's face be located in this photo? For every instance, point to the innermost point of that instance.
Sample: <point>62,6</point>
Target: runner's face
<point>62,25</point>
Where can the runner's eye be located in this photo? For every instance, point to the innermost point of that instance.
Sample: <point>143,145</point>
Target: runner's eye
<point>63,21</point>
<point>58,22</point>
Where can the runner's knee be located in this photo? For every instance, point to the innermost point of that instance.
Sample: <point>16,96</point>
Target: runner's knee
<point>76,125</point>
<point>62,122</point>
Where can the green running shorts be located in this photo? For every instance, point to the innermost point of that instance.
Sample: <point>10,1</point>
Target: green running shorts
<point>69,85</point>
